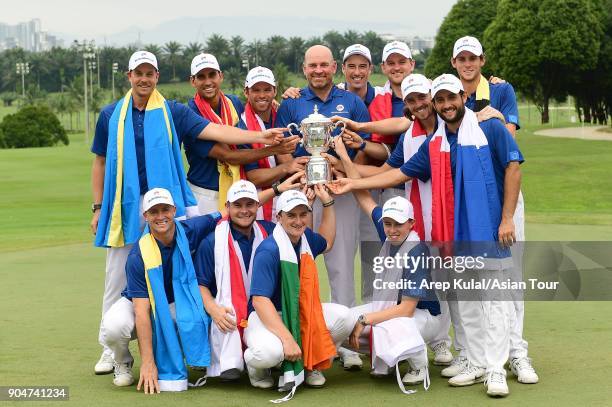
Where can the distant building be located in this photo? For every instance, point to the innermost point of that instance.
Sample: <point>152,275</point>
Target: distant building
<point>416,43</point>
<point>27,35</point>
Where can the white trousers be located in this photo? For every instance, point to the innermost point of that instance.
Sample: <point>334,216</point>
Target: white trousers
<point>119,329</point>
<point>207,199</point>
<point>340,260</point>
<point>265,350</point>
<point>518,345</point>
<point>115,279</point>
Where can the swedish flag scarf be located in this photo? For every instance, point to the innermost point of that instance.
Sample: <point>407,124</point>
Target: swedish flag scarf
<point>190,346</point>
<point>119,222</point>
<point>483,94</point>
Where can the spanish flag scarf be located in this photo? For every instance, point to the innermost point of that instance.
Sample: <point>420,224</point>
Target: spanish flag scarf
<point>228,174</point>
<point>119,222</point>
<point>255,123</point>
<point>302,312</point>
<point>233,278</point>
<point>186,342</point>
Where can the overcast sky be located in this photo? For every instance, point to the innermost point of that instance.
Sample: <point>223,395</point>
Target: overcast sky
<point>88,19</point>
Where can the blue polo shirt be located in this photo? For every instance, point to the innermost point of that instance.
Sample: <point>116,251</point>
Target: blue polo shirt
<point>427,298</point>
<point>266,279</point>
<point>242,125</point>
<point>501,143</point>
<point>187,124</point>
<point>370,93</point>
<point>339,103</point>
<point>396,159</point>
<point>195,230</point>
<point>204,257</point>
<point>202,170</point>
<point>503,99</point>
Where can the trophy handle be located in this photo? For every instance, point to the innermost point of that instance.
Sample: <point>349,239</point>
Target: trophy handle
<point>290,126</point>
<point>340,123</point>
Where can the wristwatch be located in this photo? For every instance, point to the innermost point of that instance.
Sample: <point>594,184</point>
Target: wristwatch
<point>362,320</point>
<point>95,207</point>
<point>275,188</point>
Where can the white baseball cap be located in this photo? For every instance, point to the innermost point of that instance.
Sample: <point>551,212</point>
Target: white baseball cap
<point>242,189</point>
<point>447,82</point>
<point>156,196</point>
<point>290,199</point>
<point>203,61</point>
<point>259,74</point>
<point>415,83</point>
<point>396,47</point>
<point>399,209</point>
<point>142,57</point>
<point>469,44</point>
<point>357,49</point>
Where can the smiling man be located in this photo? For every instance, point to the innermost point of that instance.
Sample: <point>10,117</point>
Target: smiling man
<point>319,68</point>
<point>141,136</point>
<point>161,301</point>
<point>214,166</point>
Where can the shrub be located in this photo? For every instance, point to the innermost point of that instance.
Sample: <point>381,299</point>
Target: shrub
<point>32,126</point>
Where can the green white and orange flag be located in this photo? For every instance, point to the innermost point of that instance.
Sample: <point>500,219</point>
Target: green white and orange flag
<point>302,312</point>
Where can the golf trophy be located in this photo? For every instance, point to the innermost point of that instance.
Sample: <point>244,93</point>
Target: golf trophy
<point>316,132</point>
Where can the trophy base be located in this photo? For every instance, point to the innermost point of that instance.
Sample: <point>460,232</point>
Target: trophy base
<point>318,171</point>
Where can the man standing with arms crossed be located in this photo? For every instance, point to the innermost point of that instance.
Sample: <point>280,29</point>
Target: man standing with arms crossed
<point>499,100</point>
<point>125,167</point>
<point>214,166</point>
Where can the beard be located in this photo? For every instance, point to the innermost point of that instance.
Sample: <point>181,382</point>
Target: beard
<point>458,115</point>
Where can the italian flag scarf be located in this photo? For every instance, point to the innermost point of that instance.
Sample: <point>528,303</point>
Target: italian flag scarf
<point>185,343</point>
<point>253,122</point>
<point>119,222</point>
<point>417,191</point>
<point>302,312</point>
<point>381,108</point>
<point>228,174</point>
<point>233,278</point>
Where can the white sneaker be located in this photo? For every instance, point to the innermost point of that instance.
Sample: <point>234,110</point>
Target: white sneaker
<point>442,355</point>
<point>456,366</point>
<point>524,371</point>
<point>123,375</point>
<point>414,376</point>
<point>315,378</point>
<point>350,360</point>
<point>106,363</point>
<point>260,378</point>
<point>468,376</point>
<point>496,384</point>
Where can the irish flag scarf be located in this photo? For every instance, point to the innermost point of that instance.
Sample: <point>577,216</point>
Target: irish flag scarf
<point>468,209</point>
<point>119,222</point>
<point>228,174</point>
<point>381,108</point>
<point>254,122</point>
<point>417,191</point>
<point>302,312</point>
<point>190,346</point>
<point>233,279</point>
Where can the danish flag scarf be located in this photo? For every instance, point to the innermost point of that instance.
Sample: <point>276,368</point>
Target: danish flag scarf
<point>381,108</point>
<point>255,123</point>
<point>228,174</point>
<point>417,191</point>
<point>233,278</point>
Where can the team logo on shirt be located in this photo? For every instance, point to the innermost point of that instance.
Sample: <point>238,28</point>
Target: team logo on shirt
<point>340,108</point>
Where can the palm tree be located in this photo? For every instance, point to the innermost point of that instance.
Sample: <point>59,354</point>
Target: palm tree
<point>219,47</point>
<point>173,52</point>
<point>234,78</point>
<point>276,49</point>
<point>281,74</point>
<point>295,53</point>
<point>237,48</point>
<point>192,49</point>
<point>335,41</point>
<point>375,43</point>
<point>253,50</point>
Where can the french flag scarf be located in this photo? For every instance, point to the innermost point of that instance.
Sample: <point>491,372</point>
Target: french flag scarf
<point>468,210</point>
<point>233,279</point>
<point>381,108</point>
<point>253,122</point>
<point>228,174</point>
<point>417,191</point>
<point>185,343</point>
<point>302,312</point>
<point>119,222</point>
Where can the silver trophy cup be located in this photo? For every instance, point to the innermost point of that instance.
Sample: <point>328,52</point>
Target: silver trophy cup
<point>316,132</point>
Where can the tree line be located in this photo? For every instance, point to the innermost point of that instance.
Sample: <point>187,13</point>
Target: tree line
<point>547,49</point>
